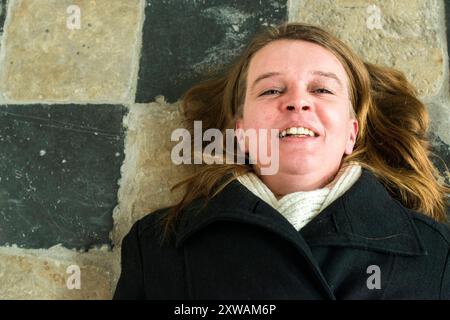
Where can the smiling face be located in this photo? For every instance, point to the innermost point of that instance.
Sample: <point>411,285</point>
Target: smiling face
<point>294,84</point>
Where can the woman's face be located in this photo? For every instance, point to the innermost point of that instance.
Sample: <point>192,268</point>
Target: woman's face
<point>293,84</point>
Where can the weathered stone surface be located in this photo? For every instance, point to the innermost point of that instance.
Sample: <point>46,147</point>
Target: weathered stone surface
<point>59,172</point>
<point>148,172</point>
<point>42,274</point>
<point>439,111</point>
<point>441,160</point>
<point>447,22</point>
<point>441,157</point>
<point>403,34</point>
<point>46,60</point>
<point>186,40</point>
<point>440,139</point>
<point>3,11</point>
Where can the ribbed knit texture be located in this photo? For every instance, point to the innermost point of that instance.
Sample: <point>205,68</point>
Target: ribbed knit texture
<point>301,207</point>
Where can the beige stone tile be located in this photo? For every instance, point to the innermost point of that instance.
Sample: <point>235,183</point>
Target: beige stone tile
<point>148,172</point>
<point>408,38</point>
<point>42,274</point>
<point>45,60</point>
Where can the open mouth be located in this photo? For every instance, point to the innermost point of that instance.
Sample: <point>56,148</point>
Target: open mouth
<point>297,131</point>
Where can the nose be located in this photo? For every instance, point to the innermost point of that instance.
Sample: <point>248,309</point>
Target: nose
<point>301,105</point>
<point>298,98</point>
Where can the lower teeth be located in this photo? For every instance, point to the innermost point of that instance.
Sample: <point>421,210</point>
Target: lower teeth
<point>297,135</point>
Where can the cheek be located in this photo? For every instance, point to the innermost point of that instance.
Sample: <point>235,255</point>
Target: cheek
<point>254,118</point>
<point>335,119</point>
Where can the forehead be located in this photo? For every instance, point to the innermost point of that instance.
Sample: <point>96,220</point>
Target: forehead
<point>294,57</point>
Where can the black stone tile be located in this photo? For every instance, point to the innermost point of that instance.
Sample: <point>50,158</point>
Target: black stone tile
<point>441,158</point>
<point>59,171</point>
<point>3,10</point>
<point>185,40</point>
<point>447,19</point>
<point>441,155</point>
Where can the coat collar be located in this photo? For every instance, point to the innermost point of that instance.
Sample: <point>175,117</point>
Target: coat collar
<point>237,203</point>
<point>365,217</point>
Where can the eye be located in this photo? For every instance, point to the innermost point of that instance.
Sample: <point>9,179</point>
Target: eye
<point>271,92</point>
<point>322,90</point>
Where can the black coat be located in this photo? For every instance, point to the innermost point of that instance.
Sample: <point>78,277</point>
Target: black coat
<point>365,245</point>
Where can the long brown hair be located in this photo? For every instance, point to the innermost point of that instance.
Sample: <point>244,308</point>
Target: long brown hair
<point>392,140</point>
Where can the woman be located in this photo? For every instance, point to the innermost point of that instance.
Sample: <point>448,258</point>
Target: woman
<point>352,213</point>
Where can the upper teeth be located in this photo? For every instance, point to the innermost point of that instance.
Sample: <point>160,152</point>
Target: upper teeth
<point>297,131</point>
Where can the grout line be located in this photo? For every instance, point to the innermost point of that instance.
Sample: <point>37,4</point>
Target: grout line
<point>136,59</point>
<point>63,102</point>
<point>9,10</point>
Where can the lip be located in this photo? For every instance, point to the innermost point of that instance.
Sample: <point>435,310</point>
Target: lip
<point>301,124</point>
<point>297,139</point>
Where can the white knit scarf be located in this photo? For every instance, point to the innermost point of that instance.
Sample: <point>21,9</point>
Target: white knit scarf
<point>301,207</point>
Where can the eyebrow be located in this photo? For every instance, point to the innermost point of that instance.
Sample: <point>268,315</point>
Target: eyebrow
<point>327,75</point>
<point>262,77</point>
<point>319,73</point>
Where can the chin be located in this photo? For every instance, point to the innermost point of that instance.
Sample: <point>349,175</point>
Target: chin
<point>298,166</point>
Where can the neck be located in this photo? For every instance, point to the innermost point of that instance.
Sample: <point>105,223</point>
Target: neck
<point>285,183</point>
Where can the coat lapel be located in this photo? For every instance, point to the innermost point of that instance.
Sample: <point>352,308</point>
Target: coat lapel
<point>236,203</point>
<point>366,217</point>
